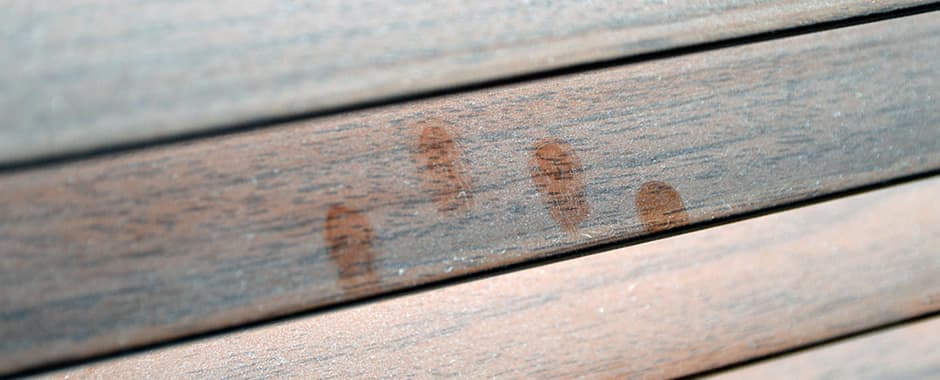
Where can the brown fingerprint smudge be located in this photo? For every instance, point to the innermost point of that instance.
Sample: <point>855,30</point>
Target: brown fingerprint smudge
<point>349,238</point>
<point>440,164</point>
<point>660,207</point>
<point>559,178</point>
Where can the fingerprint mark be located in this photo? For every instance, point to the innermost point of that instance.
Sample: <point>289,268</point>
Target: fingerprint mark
<point>440,163</point>
<point>660,207</point>
<point>559,178</point>
<point>350,238</point>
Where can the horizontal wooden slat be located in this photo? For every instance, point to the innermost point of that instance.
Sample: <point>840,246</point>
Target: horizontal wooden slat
<point>93,73</point>
<point>910,351</point>
<point>657,310</point>
<point>141,247</point>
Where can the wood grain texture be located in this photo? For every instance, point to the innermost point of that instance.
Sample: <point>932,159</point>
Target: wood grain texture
<point>910,351</point>
<point>93,73</point>
<point>135,248</point>
<point>662,309</point>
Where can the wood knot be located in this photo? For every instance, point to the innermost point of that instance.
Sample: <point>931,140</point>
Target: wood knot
<point>660,207</point>
<point>350,239</point>
<point>442,168</point>
<point>559,178</point>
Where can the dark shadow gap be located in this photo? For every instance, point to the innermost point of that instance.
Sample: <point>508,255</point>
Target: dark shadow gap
<point>251,125</point>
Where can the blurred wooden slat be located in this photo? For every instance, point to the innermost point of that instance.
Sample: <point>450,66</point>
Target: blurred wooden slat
<point>135,248</point>
<point>92,73</point>
<point>910,351</point>
<point>657,310</point>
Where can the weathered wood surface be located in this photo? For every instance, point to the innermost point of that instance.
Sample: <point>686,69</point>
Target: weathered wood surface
<point>662,309</point>
<point>93,73</point>
<point>136,248</point>
<point>910,351</point>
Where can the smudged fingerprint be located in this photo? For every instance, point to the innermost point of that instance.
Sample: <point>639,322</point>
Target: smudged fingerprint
<point>442,168</point>
<point>559,178</point>
<point>660,207</point>
<point>350,239</point>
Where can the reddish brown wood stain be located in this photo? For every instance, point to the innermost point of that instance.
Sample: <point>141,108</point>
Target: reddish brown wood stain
<point>349,238</point>
<point>660,207</point>
<point>559,178</point>
<point>440,163</point>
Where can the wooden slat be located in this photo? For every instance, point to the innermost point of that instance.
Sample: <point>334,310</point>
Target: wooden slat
<point>910,351</point>
<point>92,73</point>
<point>662,309</point>
<point>136,248</point>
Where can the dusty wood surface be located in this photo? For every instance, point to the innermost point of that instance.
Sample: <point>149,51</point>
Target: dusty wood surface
<point>135,248</point>
<point>92,73</point>
<point>910,351</point>
<point>662,309</point>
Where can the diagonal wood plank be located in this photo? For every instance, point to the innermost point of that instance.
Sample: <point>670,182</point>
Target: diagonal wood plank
<point>657,310</point>
<point>93,73</point>
<point>909,351</point>
<point>135,248</point>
